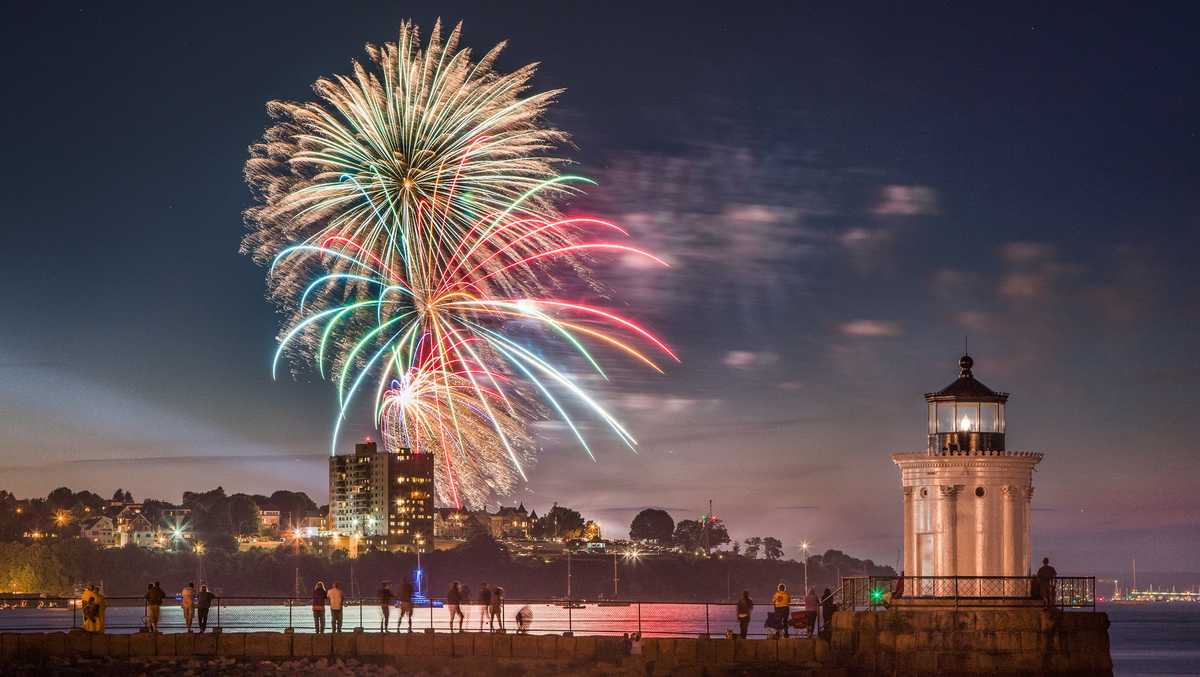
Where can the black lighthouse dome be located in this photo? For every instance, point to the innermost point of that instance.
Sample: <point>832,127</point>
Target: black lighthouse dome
<point>966,415</point>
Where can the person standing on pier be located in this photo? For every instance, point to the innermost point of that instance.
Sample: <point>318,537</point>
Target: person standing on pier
<point>101,603</point>
<point>827,609</point>
<point>454,605</point>
<point>187,601</point>
<point>782,603</point>
<point>204,600</point>
<point>154,600</point>
<point>1046,575</point>
<point>812,608</point>
<point>93,605</point>
<point>406,604</point>
<point>485,603</point>
<point>745,606</point>
<point>335,596</point>
<point>385,604</point>
<point>497,611</point>
<point>318,605</point>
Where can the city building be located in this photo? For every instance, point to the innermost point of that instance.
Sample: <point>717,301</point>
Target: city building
<point>410,517</point>
<point>385,498</point>
<point>966,497</point>
<point>268,520</point>
<point>99,530</point>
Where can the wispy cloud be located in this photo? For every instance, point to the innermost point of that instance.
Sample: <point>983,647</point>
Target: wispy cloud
<point>871,328</point>
<point>897,200</point>
<point>749,359</point>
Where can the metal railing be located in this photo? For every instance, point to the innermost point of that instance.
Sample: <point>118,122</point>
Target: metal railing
<point>294,614</point>
<point>868,592</point>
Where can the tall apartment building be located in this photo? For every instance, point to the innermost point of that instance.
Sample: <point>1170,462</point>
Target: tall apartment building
<point>385,498</point>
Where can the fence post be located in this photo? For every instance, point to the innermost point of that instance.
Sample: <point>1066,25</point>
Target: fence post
<point>218,613</point>
<point>360,617</point>
<point>707,631</point>
<point>431,628</point>
<point>73,614</point>
<point>290,626</point>
<point>570,625</point>
<point>639,618</point>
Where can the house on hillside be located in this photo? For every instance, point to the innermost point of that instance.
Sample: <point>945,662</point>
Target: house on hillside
<point>99,530</point>
<point>509,523</point>
<point>452,524</point>
<point>136,529</point>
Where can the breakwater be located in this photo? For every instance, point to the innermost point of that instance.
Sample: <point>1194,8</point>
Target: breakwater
<point>1024,641</point>
<point>890,642</point>
<point>468,654</point>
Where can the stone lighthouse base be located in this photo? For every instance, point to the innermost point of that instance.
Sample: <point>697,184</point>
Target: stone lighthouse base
<point>1024,641</point>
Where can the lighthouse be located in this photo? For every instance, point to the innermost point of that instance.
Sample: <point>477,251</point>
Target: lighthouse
<point>967,497</point>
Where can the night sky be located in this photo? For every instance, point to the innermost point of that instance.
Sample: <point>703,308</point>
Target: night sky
<point>843,195</point>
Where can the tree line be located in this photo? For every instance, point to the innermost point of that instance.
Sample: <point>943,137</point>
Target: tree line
<point>59,567</point>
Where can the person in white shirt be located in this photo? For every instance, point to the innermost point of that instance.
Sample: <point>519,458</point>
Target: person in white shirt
<point>187,602</point>
<point>335,606</point>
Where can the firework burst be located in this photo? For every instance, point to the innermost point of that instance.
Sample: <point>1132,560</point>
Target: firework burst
<point>410,224</point>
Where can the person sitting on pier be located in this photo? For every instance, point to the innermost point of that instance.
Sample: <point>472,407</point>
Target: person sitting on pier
<point>524,620</point>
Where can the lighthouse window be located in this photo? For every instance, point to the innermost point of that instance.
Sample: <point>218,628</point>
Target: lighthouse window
<point>967,417</point>
<point>979,491</point>
<point>945,417</point>
<point>989,417</point>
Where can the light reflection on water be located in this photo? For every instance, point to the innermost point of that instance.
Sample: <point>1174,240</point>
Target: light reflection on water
<point>649,619</point>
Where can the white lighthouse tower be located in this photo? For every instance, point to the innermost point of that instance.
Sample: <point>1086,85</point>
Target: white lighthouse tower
<point>966,497</point>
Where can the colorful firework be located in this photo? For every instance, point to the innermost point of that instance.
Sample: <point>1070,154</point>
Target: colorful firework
<point>411,226</point>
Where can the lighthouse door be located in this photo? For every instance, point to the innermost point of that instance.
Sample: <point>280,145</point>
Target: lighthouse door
<point>925,561</point>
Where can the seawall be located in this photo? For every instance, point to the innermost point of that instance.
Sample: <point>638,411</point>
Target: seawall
<point>892,642</point>
<point>972,641</point>
<point>466,654</point>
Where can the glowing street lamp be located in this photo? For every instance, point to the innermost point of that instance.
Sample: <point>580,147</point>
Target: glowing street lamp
<point>804,549</point>
<point>62,518</point>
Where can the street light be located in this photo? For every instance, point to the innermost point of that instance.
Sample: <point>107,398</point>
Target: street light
<point>631,554</point>
<point>804,549</point>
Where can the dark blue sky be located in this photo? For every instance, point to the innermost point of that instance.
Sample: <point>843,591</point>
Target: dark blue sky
<point>844,193</point>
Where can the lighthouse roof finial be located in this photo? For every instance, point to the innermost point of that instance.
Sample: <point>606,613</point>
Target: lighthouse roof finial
<point>966,386</point>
